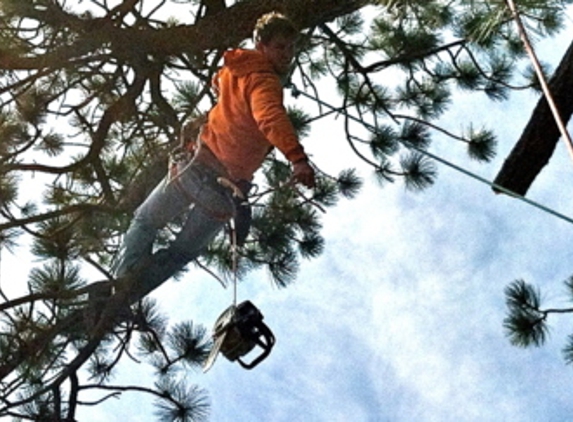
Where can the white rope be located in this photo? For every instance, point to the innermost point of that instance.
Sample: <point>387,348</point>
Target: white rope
<point>541,76</point>
<point>296,92</point>
<point>234,259</point>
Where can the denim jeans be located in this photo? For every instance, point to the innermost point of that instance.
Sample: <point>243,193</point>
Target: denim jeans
<point>193,194</point>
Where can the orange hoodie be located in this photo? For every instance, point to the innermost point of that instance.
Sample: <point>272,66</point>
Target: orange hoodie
<point>249,118</point>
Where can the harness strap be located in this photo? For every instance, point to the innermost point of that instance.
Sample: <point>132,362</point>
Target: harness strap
<point>227,183</point>
<point>205,158</point>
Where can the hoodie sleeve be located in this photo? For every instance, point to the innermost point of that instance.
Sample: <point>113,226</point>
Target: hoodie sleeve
<point>269,112</point>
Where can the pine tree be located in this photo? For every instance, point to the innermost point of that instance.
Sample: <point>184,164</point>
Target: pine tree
<point>94,96</point>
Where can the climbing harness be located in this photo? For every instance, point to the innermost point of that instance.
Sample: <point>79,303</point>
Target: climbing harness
<point>240,328</point>
<point>296,93</point>
<point>181,160</point>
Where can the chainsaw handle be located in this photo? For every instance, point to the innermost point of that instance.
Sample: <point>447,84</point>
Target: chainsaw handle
<point>266,345</point>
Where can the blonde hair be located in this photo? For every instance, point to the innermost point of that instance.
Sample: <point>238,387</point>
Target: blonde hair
<point>271,25</point>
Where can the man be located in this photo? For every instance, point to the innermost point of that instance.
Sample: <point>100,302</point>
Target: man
<point>248,121</point>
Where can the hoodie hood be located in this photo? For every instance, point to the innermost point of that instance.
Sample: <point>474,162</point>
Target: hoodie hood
<point>242,62</point>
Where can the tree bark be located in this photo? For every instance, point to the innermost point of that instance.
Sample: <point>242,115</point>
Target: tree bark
<point>241,17</point>
<point>541,134</point>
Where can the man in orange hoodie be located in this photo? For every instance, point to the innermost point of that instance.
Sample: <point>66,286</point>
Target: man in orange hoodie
<point>248,121</point>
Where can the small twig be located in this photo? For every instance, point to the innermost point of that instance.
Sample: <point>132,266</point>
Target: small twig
<point>308,200</point>
<point>211,273</point>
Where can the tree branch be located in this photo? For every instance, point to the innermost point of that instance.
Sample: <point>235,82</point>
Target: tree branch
<point>73,209</point>
<point>539,138</point>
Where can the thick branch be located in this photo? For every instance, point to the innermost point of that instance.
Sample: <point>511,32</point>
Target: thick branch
<point>205,35</point>
<point>539,138</point>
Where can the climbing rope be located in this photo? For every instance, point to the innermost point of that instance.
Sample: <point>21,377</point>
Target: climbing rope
<point>234,259</point>
<point>296,93</point>
<point>540,76</point>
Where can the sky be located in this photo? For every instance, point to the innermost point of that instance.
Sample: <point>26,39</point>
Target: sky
<point>401,317</point>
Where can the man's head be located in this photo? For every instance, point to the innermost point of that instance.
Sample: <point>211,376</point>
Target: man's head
<point>275,36</point>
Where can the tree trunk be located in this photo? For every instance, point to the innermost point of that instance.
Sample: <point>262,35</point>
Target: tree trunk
<point>539,138</point>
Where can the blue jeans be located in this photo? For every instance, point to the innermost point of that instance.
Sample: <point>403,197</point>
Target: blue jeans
<point>193,194</point>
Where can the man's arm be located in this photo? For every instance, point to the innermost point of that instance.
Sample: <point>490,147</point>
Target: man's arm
<point>273,121</point>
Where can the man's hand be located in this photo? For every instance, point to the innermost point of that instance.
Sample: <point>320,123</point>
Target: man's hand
<point>302,172</point>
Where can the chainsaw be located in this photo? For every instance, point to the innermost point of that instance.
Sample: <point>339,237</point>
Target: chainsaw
<point>237,331</point>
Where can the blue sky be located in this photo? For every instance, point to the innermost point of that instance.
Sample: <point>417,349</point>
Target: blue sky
<point>401,318</point>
